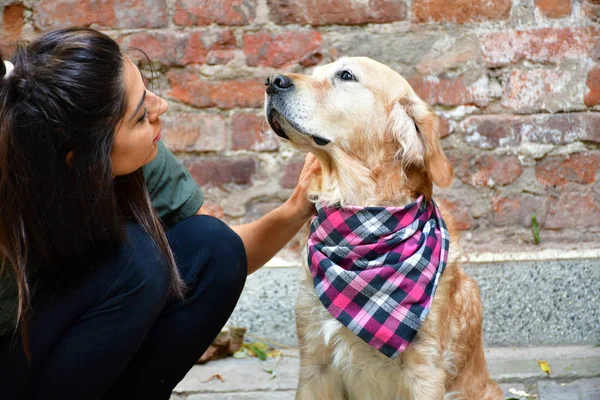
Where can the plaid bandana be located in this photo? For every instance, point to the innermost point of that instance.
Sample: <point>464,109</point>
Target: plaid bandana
<point>376,269</point>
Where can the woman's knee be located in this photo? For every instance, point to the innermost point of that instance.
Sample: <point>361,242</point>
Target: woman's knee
<point>226,255</point>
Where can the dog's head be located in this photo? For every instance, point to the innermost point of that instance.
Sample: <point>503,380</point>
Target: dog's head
<point>364,121</point>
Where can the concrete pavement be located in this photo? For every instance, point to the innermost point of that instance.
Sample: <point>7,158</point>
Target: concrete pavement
<point>575,375</point>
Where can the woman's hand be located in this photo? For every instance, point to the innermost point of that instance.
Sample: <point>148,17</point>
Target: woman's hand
<point>298,206</point>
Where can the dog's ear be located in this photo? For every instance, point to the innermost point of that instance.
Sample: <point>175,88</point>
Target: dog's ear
<point>415,126</point>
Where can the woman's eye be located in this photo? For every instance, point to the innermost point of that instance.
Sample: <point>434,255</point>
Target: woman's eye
<point>346,75</point>
<point>144,116</point>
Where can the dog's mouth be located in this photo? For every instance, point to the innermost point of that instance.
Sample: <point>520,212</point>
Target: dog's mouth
<point>277,122</point>
<point>273,118</point>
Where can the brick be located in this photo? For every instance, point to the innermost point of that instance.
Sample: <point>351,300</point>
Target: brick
<point>573,210</point>
<point>171,48</point>
<point>451,91</point>
<point>218,172</point>
<point>554,8</point>
<point>460,11</point>
<point>559,170</point>
<point>220,57</point>
<point>206,12</point>
<point>201,45</point>
<point>251,132</point>
<point>505,211</point>
<point>592,98</point>
<point>165,47</point>
<point>490,131</point>
<point>336,12</point>
<point>195,132</point>
<point>538,45</point>
<point>11,28</point>
<point>462,53</point>
<point>486,170</point>
<point>460,214</point>
<point>283,50</point>
<point>190,89</point>
<point>122,14</point>
<point>544,90</point>
<point>291,173</point>
<point>518,210</point>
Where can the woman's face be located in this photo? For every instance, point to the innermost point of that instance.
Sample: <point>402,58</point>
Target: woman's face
<point>138,132</point>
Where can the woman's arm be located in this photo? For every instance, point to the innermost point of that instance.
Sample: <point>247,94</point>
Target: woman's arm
<point>264,237</point>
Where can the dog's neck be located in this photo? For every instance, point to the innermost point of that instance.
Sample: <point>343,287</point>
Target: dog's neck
<point>361,183</point>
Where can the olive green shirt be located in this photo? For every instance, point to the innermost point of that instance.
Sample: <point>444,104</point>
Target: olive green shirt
<point>175,196</point>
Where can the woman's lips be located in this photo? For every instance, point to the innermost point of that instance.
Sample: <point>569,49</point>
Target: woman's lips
<point>157,138</point>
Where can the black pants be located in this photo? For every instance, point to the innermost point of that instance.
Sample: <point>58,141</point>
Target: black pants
<point>116,334</point>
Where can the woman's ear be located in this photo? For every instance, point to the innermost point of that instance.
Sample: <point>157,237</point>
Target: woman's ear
<point>416,127</point>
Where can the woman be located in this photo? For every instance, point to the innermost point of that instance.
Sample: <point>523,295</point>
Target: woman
<point>97,300</point>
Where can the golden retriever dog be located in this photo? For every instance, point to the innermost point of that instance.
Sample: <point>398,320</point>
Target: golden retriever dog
<point>378,145</point>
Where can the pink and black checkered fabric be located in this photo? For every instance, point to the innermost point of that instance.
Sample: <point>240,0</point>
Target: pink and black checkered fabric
<point>376,269</point>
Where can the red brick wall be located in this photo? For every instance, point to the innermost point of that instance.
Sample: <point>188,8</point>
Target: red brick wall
<point>517,83</point>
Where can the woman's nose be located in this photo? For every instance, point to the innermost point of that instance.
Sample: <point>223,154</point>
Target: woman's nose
<point>163,106</point>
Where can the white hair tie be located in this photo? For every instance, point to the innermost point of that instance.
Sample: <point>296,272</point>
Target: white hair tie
<point>9,68</point>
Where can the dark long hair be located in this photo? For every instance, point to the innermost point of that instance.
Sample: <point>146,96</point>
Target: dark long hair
<point>65,94</point>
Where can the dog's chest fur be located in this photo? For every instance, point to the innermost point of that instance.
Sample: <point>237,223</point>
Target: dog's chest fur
<point>362,372</point>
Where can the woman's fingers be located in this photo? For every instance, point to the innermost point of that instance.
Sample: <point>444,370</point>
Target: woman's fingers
<point>311,166</point>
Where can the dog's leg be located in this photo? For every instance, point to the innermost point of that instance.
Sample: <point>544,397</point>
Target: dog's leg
<point>425,382</point>
<point>318,379</point>
<point>472,381</point>
<point>319,382</point>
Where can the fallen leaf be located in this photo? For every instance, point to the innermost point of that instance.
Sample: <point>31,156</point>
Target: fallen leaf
<point>215,376</point>
<point>271,371</point>
<point>258,349</point>
<point>260,345</point>
<point>242,353</point>
<point>544,366</point>
<point>274,353</point>
<point>271,342</point>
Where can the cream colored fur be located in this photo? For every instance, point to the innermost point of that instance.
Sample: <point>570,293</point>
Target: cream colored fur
<point>384,150</point>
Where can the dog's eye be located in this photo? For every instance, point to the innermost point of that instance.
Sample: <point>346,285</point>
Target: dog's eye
<point>346,75</point>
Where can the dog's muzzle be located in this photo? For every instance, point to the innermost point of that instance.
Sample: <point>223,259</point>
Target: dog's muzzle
<point>278,86</point>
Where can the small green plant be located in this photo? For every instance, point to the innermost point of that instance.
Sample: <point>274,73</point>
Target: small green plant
<point>535,227</point>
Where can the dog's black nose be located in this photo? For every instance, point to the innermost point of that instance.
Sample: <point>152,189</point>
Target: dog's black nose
<point>278,83</point>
